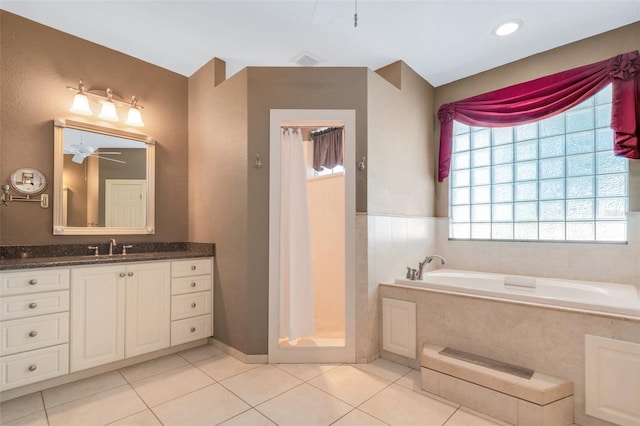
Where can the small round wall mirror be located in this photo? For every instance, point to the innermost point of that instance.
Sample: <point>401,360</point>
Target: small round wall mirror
<point>28,181</point>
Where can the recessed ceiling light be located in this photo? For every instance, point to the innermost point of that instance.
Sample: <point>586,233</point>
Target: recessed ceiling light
<point>508,27</point>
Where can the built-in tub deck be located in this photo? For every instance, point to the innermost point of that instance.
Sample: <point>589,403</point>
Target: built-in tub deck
<point>621,300</point>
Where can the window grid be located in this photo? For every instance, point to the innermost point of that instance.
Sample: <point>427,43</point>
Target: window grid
<point>555,179</point>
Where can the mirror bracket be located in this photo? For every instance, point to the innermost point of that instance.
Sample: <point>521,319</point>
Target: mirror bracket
<point>59,226</point>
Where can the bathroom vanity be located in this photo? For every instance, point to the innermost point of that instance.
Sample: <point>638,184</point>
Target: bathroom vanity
<point>65,315</point>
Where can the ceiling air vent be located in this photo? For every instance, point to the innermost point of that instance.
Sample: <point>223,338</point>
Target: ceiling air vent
<point>306,59</point>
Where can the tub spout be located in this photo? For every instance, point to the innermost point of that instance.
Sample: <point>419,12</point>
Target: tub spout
<point>426,260</point>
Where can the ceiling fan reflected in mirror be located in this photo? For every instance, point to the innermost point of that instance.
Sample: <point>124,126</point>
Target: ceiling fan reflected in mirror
<point>81,151</point>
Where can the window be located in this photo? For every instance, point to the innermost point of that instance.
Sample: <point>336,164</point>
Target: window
<point>555,179</point>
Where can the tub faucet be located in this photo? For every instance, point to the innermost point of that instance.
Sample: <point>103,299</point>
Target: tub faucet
<point>112,242</point>
<point>426,260</point>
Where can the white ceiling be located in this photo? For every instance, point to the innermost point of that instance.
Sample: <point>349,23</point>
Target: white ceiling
<point>443,40</point>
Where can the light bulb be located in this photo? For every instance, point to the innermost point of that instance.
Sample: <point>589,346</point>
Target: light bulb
<point>509,27</point>
<point>134,118</point>
<point>108,111</point>
<point>81,105</point>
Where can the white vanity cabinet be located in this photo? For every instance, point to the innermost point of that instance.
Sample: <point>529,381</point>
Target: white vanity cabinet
<point>119,311</point>
<point>34,325</point>
<point>191,300</point>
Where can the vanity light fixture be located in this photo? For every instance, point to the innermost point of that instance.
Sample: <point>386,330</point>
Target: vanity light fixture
<point>508,27</point>
<point>110,101</point>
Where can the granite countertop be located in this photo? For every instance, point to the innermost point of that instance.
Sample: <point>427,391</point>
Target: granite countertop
<point>26,257</point>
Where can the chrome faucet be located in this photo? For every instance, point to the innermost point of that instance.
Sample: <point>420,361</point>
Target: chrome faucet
<point>112,242</point>
<point>426,260</point>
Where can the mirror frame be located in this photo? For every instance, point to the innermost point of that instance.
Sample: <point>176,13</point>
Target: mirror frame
<point>58,160</point>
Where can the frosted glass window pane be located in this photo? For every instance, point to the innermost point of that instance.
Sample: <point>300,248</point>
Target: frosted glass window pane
<point>526,191</point>
<point>552,168</point>
<point>480,139</point>
<point>580,231</point>
<point>611,185</point>
<point>603,115</point>
<point>526,131</point>
<point>461,143</point>
<point>461,161</point>
<point>502,212</point>
<point>481,194</point>
<point>580,187</point>
<point>611,231</point>
<point>461,213</point>
<point>552,126</point>
<point>552,210</point>
<point>526,151</point>
<point>606,162</point>
<point>603,96</point>
<point>459,128</point>
<point>481,176</point>
<point>525,231</point>
<point>551,231</point>
<point>460,196</point>
<point>526,212</point>
<point>551,189</point>
<point>580,209</point>
<point>481,157</point>
<point>578,143</point>
<point>502,174</point>
<point>551,147</point>
<point>579,165</point>
<point>585,104</point>
<point>502,231</point>
<point>579,120</point>
<point>604,139</point>
<point>503,193</point>
<point>460,230</point>
<point>481,231</point>
<point>481,213</point>
<point>527,171</point>
<point>502,135</point>
<point>460,178</point>
<point>503,154</point>
<point>611,208</point>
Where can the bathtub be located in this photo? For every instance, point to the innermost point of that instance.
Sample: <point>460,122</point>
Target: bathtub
<point>591,296</point>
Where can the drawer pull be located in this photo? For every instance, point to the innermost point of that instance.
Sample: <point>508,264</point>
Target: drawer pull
<point>193,284</point>
<point>122,274</point>
<point>33,367</point>
<point>193,267</point>
<point>33,305</point>
<point>193,329</point>
<point>33,281</point>
<point>33,334</point>
<point>130,274</point>
<point>193,305</point>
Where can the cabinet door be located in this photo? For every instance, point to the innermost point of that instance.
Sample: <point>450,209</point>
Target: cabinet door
<point>97,316</point>
<point>148,308</point>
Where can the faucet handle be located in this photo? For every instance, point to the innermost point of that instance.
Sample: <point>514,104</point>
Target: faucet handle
<point>124,249</point>
<point>95,250</point>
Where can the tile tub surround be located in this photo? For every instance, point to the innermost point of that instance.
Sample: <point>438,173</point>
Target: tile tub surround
<point>24,257</point>
<point>540,338</point>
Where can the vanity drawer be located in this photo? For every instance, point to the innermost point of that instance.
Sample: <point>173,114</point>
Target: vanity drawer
<point>33,333</point>
<point>33,280</point>
<point>190,305</point>
<point>30,367</point>
<point>191,267</point>
<point>29,305</point>
<point>187,330</point>
<point>191,284</point>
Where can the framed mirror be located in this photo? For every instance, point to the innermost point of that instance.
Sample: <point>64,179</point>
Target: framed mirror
<point>103,180</point>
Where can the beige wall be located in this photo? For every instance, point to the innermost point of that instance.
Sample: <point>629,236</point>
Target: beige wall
<point>399,145</point>
<point>218,209</point>
<point>37,64</point>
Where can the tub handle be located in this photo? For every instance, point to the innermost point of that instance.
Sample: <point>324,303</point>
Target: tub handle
<point>411,273</point>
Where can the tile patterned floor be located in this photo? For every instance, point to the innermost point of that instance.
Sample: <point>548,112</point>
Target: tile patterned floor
<point>203,386</point>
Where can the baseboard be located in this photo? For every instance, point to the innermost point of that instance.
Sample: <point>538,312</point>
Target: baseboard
<point>241,356</point>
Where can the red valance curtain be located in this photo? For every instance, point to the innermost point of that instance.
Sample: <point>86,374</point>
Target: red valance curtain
<point>547,96</point>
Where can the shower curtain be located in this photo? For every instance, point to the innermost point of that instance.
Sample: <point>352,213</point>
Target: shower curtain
<point>296,274</point>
